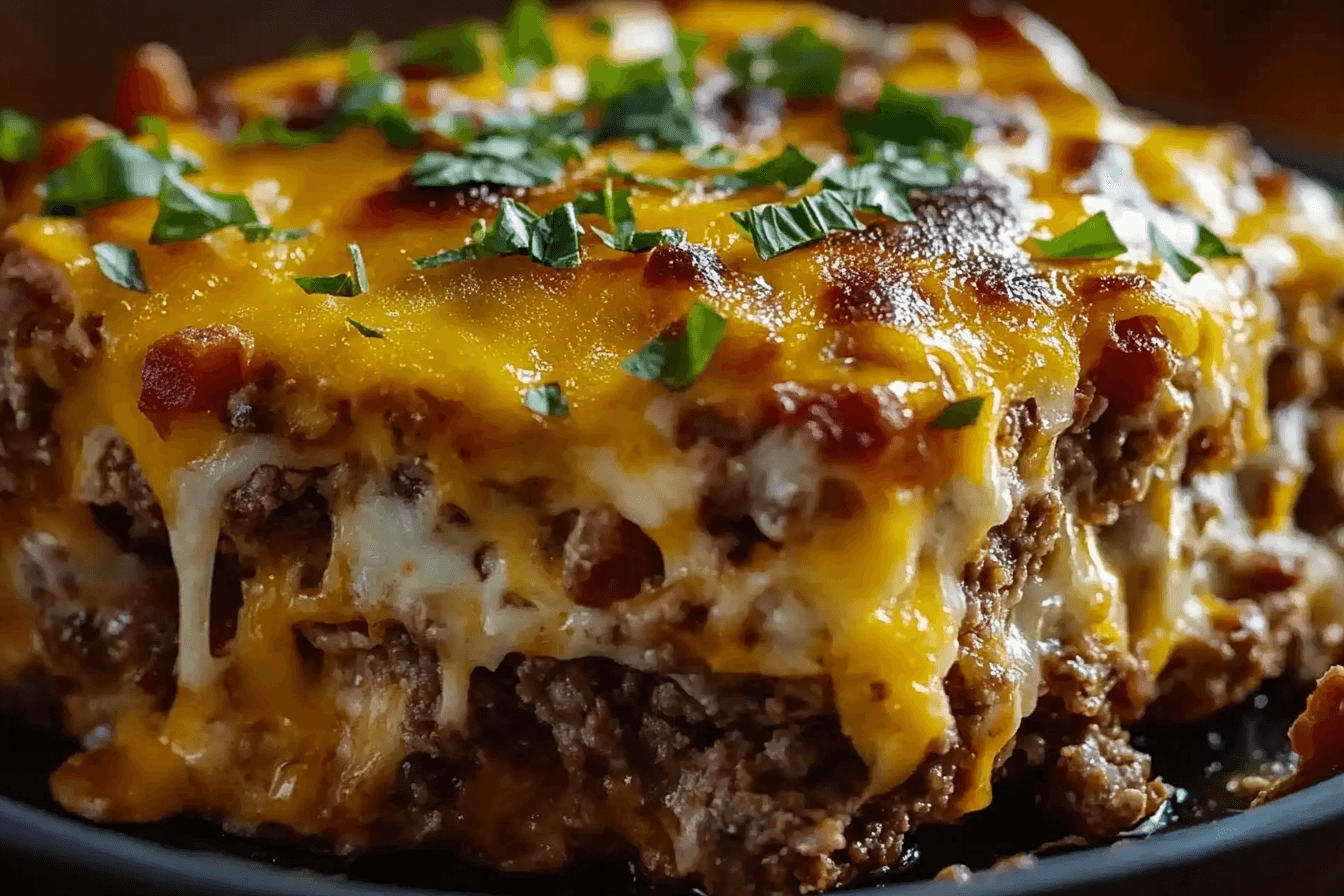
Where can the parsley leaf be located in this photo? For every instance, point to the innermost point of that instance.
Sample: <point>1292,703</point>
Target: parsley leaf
<point>959,414</point>
<point>361,275</point>
<point>799,64</point>
<point>554,240</point>
<point>442,169</point>
<point>376,100</point>
<point>679,355</point>
<point>186,212</point>
<point>716,156</point>
<point>870,187</point>
<point>1094,238</point>
<point>256,233</point>
<point>109,170</point>
<point>338,284</point>
<point>614,205</point>
<point>156,127</point>
<point>121,265</point>
<point>789,169</point>
<point>20,136</point>
<point>646,101</point>
<point>905,118</point>
<point>451,49</point>
<point>675,184</point>
<point>640,240</point>
<point>366,332</point>
<point>775,229</point>
<point>510,151</point>
<point>526,47</point>
<point>270,129</point>
<point>548,400</point>
<point>1184,267</point>
<point>1208,245</point>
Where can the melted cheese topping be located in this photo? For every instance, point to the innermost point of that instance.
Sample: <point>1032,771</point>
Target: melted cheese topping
<point>868,602</point>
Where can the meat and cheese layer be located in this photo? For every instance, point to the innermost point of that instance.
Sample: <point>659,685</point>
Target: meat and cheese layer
<point>905,439</point>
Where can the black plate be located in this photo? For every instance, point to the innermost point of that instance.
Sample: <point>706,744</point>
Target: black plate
<point>1294,845</point>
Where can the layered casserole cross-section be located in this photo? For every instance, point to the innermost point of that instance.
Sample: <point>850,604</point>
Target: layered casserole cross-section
<point>727,439</point>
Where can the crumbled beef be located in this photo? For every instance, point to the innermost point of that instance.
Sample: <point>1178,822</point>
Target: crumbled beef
<point>608,559</point>
<point>118,495</point>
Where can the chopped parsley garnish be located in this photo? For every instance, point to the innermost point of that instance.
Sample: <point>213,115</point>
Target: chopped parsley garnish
<point>678,355</point>
<point>361,275</point>
<point>109,170</point>
<point>614,205</point>
<point>1208,245</point>
<point>789,169</point>
<point>716,156</point>
<point>552,240</point>
<point>366,332</point>
<point>1094,238</point>
<point>548,400</point>
<point>156,127</point>
<point>1184,267</point>
<point>270,129</point>
<point>675,184</point>
<point>799,64</point>
<point>186,212</point>
<point>256,233</point>
<point>338,284</point>
<point>775,229</point>
<point>376,100</point>
<point>525,47</point>
<point>510,150</point>
<point>905,118</point>
<point>20,136</point>
<point>121,265</point>
<point>450,49</point>
<point>648,101</point>
<point>870,187</point>
<point>959,414</point>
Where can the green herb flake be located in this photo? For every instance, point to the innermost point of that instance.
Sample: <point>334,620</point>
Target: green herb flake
<point>186,212</point>
<point>450,49</point>
<point>157,128</point>
<point>109,170</point>
<point>871,188</point>
<point>640,240</point>
<point>646,101</point>
<point>789,169</point>
<point>672,184</point>
<point>256,233</point>
<point>1094,238</point>
<point>1184,267</point>
<point>959,414</point>
<point>526,47</point>
<point>338,284</point>
<point>442,169</point>
<point>20,136</point>
<point>548,400</point>
<point>716,156</point>
<point>679,355</point>
<point>365,331</point>
<point>375,100</point>
<point>800,64</point>
<point>776,229</point>
<point>361,275</point>
<point>121,265</point>
<point>1208,245</point>
<point>905,118</point>
<point>554,240</point>
<point>327,284</point>
<point>270,129</point>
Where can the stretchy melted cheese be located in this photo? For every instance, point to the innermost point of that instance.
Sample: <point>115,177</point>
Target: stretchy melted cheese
<point>838,356</point>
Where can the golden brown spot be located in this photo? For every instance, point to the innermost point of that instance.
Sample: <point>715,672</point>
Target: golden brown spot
<point>846,423</point>
<point>685,266</point>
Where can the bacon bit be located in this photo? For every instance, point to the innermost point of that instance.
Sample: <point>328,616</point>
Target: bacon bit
<point>1133,366</point>
<point>1317,738</point>
<point>193,371</point>
<point>64,140</point>
<point>154,81</point>
<point>846,423</point>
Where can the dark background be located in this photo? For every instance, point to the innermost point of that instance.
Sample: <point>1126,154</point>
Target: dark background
<point>1276,66</point>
